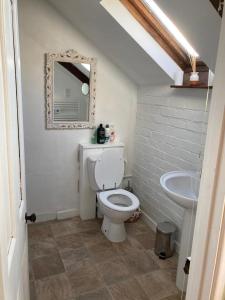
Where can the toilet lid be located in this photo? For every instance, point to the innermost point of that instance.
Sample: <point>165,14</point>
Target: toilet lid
<point>109,169</point>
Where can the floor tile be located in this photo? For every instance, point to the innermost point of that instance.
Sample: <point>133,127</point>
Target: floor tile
<point>70,241</point>
<point>47,265</point>
<point>101,294</point>
<point>101,252</point>
<point>128,290</point>
<point>169,263</point>
<point>42,247</point>
<point>139,262</point>
<point>39,231</point>
<point>91,237</point>
<point>159,284</point>
<point>85,279</point>
<point>113,271</point>
<point>73,256</point>
<point>147,240</point>
<point>90,225</point>
<point>76,266</point>
<point>54,288</point>
<point>31,272</point>
<point>137,228</point>
<point>65,227</point>
<point>105,244</point>
<point>128,246</point>
<point>32,291</point>
<point>73,260</point>
<point>74,225</point>
<point>174,297</point>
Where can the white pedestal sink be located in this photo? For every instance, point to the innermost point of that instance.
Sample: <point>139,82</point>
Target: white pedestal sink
<point>182,187</point>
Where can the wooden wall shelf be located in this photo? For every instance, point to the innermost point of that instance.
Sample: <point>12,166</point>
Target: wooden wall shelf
<point>191,87</point>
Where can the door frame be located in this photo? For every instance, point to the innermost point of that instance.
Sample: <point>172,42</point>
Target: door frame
<point>8,257</point>
<point>207,271</point>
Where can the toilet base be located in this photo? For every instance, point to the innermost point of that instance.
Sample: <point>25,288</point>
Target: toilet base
<point>115,232</point>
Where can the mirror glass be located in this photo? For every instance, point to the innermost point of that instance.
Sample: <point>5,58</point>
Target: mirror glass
<point>70,90</point>
<point>71,95</point>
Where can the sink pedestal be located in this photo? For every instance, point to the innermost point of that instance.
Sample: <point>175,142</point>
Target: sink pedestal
<point>182,188</point>
<point>185,247</point>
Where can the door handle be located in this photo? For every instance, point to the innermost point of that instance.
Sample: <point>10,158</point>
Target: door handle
<point>187,265</point>
<point>32,218</point>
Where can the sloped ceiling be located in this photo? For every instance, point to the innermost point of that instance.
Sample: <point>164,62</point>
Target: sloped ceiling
<point>196,19</point>
<point>94,22</point>
<point>200,24</point>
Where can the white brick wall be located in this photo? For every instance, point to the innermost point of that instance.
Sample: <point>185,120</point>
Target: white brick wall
<point>170,135</point>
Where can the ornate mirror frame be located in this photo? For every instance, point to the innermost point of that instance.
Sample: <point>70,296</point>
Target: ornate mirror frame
<point>74,57</point>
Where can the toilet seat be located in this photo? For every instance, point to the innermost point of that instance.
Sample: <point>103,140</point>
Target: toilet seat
<point>128,201</point>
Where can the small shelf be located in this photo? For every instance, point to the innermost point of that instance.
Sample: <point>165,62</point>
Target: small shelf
<point>191,87</point>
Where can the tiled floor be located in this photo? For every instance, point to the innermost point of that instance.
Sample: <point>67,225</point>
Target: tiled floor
<point>72,260</point>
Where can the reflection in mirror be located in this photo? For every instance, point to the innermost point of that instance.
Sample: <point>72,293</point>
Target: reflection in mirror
<point>71,99</point>
<point>70,90</point>
<point>85,88</point>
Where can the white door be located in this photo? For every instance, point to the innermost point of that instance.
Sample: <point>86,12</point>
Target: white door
<point>13,232</point>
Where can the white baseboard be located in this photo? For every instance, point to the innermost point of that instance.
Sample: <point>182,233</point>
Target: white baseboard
<point>66,214</point>
<point>45,217</point>
<point>149,221</point>
<point>152,224</point>
<point>59,215</point>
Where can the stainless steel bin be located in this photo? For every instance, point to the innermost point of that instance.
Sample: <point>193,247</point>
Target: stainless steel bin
<point>165,240</point>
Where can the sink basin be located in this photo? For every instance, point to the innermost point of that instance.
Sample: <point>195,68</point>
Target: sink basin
<point>182,187</point>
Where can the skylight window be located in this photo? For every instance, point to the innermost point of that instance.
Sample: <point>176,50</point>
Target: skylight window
<point>171,27</point>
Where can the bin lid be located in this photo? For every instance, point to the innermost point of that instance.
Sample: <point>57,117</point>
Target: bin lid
<point>166,227</point>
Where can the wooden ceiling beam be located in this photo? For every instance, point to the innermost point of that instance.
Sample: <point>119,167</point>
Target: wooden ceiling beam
<point>154,27</point>
<point>74,71</point>
<point>218,5</point>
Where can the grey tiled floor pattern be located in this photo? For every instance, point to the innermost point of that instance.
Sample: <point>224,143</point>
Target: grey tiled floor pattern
<point>72,260</point>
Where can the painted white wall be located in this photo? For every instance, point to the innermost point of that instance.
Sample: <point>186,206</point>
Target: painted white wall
<point>93,20</point>
<point>170,135</point>
<point>51,155</point>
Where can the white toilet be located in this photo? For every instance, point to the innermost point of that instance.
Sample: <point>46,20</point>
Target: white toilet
<point>105,172</point>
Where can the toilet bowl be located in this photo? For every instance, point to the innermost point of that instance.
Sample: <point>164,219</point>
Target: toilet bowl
<point>117,206</point>
<point>105,173</point>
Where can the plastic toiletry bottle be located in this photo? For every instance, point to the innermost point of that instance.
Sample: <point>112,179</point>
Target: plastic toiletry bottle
<point>94,136</point>
<point>101,134</point>
<point>107,133</point>
<point>112,134</point>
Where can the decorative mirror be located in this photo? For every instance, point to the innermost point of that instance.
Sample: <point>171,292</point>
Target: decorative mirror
<point>70,90</point>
